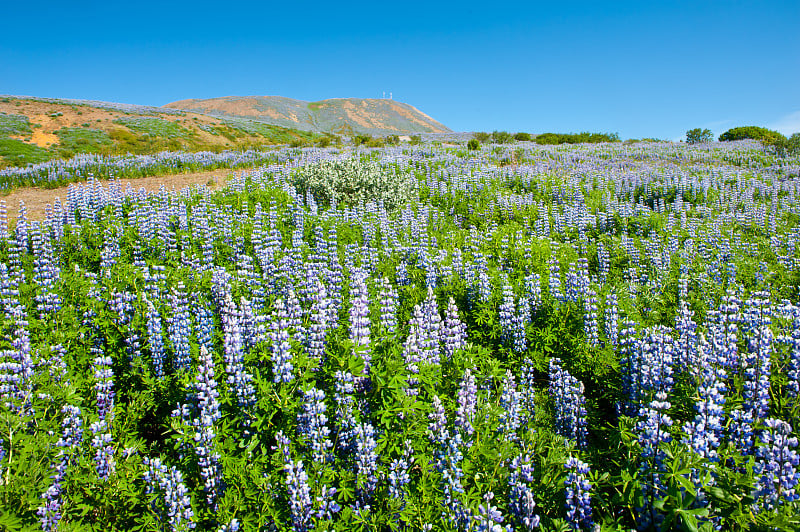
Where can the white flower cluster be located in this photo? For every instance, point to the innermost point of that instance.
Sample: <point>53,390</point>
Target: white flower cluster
<point>354,181</point>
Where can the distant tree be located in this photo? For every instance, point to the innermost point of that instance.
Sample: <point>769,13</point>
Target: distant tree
<point>473,144</point>
<point>767,136</point>
<point>415,139</point>
<point>549,138</point>
<point>698,136</point>
<point>524,137</point>
<point>358,140</point>
<point>784,147</point>
<point>501,137</point>
<point>482,137</point>
<point>393,139</point>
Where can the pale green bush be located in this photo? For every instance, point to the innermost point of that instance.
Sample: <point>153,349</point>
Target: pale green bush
<point>354,181</point>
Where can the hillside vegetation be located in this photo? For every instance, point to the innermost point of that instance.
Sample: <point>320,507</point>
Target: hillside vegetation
<point>35,130</point>
<point>343,116</point>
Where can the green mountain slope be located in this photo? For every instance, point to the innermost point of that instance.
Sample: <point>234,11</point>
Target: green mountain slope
<point>337,115</point>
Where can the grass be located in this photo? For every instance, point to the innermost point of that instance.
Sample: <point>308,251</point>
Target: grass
<point>155,127</point>
<point>14,125</point>
<point>14,152</point>
<point>77,140</point>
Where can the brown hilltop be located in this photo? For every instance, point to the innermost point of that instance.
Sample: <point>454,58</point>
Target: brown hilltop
<point>358,115</point>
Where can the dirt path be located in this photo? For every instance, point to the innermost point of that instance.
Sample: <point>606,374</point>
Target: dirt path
<point>37,198</point>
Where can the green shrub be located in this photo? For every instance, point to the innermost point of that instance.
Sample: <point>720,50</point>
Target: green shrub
<point>482,137</point>
<point>698,136</point>
<point>501,137</point>
<point>14,125</point>
<point>767,136</point>
<point>523,137</point>
<point>575,138</point>
<point>784,147</point>
<point>352,182</point>
<point>473,144</point>
<point>155,127</point>
<point>17,153</point>
<point>359,140</point>
<point>77,140</point>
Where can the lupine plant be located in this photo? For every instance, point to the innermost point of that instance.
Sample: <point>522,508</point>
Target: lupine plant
<point>407,338</point>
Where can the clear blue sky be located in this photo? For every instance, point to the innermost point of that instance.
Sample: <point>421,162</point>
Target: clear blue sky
<point>638,68</point>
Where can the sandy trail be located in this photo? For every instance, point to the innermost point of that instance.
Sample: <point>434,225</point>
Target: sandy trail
<point>36,198</point>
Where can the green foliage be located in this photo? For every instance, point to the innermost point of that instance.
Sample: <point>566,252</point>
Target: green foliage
<point>767,136</point>
<point>482,137</point>
<point>77,140</point>
<point>155,127</point>
<point>17,153</point>
<point>784,147</point>
<point>352,182</point>
<point>698,136</point>
<point>14,125</point>
<point>453,226</point>
<point>521,136</point>
<point>473,144</point>
<point>501,137</point>
<point>361,139</point>
<point>575,138</point>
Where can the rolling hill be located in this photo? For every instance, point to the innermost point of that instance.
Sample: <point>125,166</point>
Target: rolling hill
<point>34,130</point>
<point>337,115</point>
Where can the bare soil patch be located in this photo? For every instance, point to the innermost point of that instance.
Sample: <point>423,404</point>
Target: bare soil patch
<point>36,199</point>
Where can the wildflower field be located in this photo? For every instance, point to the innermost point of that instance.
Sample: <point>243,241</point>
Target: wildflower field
<point>409,338</point>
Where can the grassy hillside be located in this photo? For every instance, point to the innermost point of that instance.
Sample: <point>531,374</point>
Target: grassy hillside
<point>34,130</point>
<point>343,116</point>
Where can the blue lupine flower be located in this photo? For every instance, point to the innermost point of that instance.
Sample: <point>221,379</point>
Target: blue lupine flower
<point>155,338</point>
<point>570,410</point>
<point>488,518</point>
<point>647,365</point>
<point>703,434</point>
<point>505,316</point>
<point>533,291</point>
<point>312,426</point>
<point>239,381</point>
<point>177,500</point>
<point>281,356</point>
<point>467,404</point>
<point>777,464</point>
<point>320,323</point>
<point>207,396</point>
<point>437,427</point>
<point>179,329</point>
<point>590,327</point>
<point>103,449</point>
<point>366,460</point>
<point>653,429</point>
<point>521,503</point>
<point>757,318</point>
<point>300,504</point>
<point>511,403</point>
<point>578,494</point>
<point>554,280</point>
<point>453,331</point>
<point>388,306</point>
<point>72,436</point>
<point>611,319</point>
<point>359,320</point>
